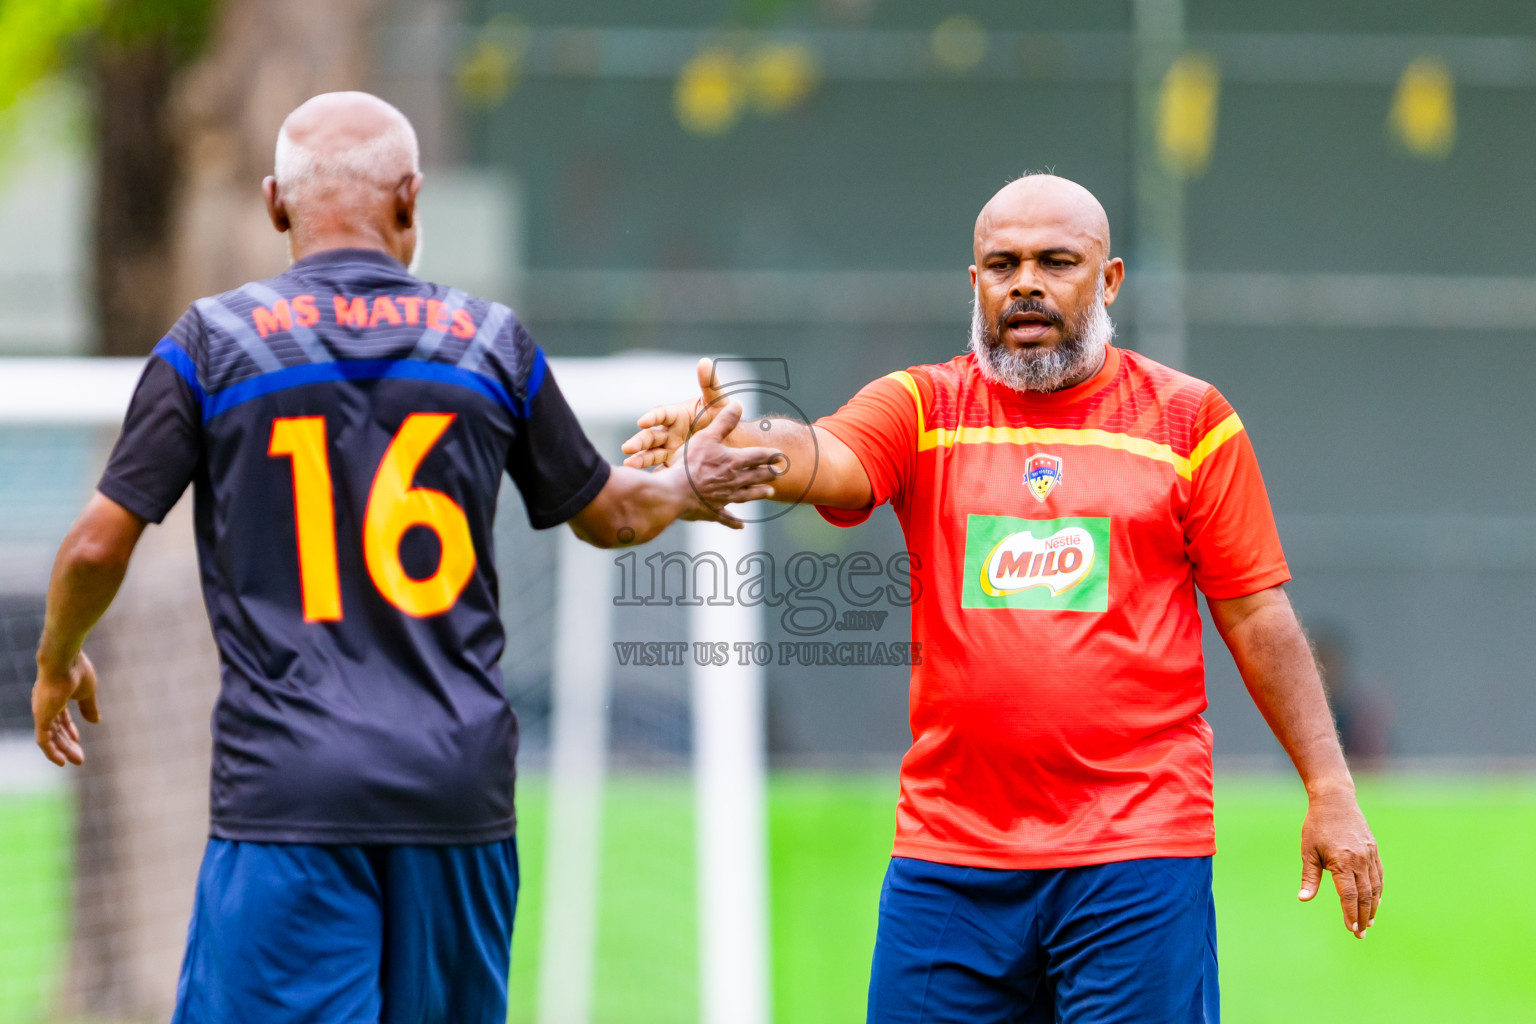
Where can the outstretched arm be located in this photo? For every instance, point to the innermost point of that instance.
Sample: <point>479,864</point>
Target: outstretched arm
<point>1276,663</point>
<point>634,506</point>
<point>90,566</point>
<point>816,468</point>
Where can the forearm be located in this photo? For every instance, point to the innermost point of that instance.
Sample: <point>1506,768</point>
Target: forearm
<point>1276,663</point>
<point>792,437</point>
<point>86,576</point>
<point>817,468</point>
<point>634,507</point>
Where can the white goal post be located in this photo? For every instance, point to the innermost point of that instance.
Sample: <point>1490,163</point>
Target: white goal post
<point>729,755</point>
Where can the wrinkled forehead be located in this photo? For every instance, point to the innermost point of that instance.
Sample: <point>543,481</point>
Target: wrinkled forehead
<point>1024,225</point>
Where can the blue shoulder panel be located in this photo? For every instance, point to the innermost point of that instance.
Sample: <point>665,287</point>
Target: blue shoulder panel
<point>354,369</point>
<point>535,379</point>
<point>177,357</point>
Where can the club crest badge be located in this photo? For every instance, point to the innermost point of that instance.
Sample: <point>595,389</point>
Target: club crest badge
<point>1041,475</point>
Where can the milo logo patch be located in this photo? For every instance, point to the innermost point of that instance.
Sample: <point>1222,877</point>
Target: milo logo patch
<point>1051,564</point>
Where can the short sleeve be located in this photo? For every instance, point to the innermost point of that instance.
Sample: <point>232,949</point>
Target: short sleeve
<point>880,425</point>
<point>1229,529</point>
<point>161,443</point>
<point>554,465</point>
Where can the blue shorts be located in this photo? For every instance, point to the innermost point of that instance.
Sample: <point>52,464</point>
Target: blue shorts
<point>1131,942</point>
<point>349,935</point>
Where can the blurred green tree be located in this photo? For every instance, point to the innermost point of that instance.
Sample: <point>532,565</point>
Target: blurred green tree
<point>36,40</point>
<point>135,54</point>
<point>130,52</point>
<point>186,97</point>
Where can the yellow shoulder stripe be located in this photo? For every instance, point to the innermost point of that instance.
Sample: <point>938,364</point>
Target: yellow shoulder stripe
<point>905,379</point>
<point>1217,436</point>
<point>1184,467</point>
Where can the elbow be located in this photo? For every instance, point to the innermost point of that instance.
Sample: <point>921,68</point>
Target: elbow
<point>93,555</point>
<point>598,540</point>
<point>596,531</point>
<point>101,541</point>
<point>619,517</point>
<point>609,536</point>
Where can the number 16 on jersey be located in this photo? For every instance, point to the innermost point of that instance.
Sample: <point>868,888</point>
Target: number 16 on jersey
<point>394,507</point>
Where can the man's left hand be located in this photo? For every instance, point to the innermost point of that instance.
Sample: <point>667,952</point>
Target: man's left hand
<point>1336,838</point>
<point>57,734</point>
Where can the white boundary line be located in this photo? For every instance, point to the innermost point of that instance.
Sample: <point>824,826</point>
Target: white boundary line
<point>95,391</point>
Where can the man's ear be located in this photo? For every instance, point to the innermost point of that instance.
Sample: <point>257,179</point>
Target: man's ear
<point>1114,276</point>
<point>277,211</point>
<point>405,200</point>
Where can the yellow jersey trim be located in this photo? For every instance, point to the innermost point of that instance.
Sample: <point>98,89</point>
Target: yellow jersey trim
<point>1214,438</point>
<point>905,379</point>
<point>1185,467</point>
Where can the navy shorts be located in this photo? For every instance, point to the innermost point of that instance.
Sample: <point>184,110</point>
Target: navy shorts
<point>1131,942</point>
<point>349,935</point>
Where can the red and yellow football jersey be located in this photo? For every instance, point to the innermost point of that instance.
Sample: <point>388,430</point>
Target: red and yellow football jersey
<point>1057,543</point>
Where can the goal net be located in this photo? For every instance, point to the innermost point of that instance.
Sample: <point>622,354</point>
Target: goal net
<point>641,778</point>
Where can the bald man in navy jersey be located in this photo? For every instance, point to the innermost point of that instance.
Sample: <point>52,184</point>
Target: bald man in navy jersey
<point>345,427</point>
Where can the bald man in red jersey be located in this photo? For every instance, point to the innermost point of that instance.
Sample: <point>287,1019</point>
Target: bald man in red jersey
<point>1065,500</point>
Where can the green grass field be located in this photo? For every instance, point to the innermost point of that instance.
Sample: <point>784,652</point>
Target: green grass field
<point>1454,941</point>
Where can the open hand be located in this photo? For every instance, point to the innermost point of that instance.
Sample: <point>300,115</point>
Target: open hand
<point>665,429</point>
<point>57,734</point>
<point>720,475</point>
<point>1336,838</point>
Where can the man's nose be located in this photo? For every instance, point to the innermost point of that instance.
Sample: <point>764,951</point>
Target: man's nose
<point>1026,284</point>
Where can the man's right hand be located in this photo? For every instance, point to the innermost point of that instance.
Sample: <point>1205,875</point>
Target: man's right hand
<point>812,465</point>
<point>665,429</point>
<point>57,735</point>
<point>719,475</point>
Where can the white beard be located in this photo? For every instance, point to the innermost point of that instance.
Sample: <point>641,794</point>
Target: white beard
<point>1080,352</point>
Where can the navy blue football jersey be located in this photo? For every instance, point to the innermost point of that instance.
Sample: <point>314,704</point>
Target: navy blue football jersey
<point>345,427</point>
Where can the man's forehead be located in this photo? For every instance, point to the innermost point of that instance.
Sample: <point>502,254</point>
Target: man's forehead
<point>1042,212</point>
<point>1010,233</point>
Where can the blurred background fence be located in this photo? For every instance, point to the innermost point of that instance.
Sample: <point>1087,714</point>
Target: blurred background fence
<point>1326,210</point>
